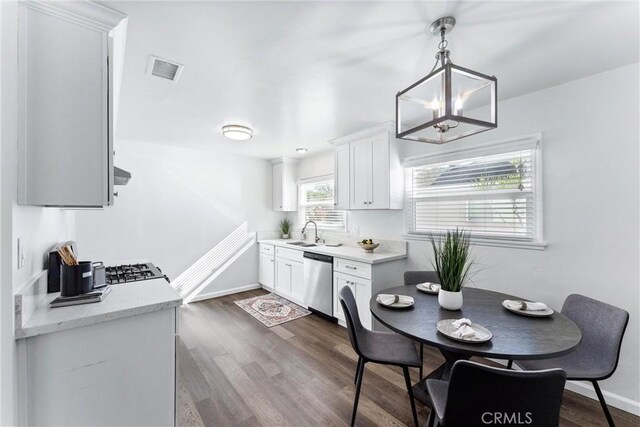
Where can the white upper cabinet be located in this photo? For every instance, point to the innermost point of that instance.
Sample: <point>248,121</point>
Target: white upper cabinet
<point>65,103</point>
<point>368,173</point>
<point>285,187</point>
<point>341,176</point>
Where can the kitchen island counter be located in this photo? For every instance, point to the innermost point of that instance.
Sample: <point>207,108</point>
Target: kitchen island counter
<point>34,316</point>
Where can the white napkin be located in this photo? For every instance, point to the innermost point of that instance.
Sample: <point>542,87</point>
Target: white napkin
<point>388,299</point>
<point>433,287</point>
<point>464,330</point>
<point>525,305</point>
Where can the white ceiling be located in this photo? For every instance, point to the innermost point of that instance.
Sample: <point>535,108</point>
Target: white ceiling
<point>302,73</point>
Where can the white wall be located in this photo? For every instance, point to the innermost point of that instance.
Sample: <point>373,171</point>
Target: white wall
<point>590,143</point>
<point>38,228</point>
<point>179,204</point>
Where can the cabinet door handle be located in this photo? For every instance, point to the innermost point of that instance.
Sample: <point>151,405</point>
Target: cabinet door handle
<point>350,267</point>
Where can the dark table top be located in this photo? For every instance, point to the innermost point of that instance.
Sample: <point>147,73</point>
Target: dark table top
<point>514,336</point>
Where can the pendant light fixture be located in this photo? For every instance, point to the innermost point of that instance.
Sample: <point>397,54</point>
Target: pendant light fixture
<point>450,103</point>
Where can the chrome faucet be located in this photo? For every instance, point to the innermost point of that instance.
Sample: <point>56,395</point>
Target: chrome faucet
<point>316,227</point>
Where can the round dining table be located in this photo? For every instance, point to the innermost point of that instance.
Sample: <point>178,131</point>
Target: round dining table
<point>515,337</point>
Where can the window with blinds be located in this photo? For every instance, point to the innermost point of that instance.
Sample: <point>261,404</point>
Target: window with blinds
<point>316,203</point>
<point>490,195</point>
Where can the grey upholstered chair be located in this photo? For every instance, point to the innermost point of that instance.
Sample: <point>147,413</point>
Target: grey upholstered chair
<point>413,278</point>
<point>386,348</point>
<point>602,326</point>
<point>477,395</point>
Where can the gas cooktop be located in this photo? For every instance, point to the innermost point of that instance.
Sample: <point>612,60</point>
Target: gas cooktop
<point>132,273</point>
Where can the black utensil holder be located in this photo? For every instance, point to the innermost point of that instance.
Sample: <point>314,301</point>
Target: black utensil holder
<point>76,279</point>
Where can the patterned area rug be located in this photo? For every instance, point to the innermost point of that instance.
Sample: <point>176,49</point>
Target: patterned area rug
<point>271,309</point>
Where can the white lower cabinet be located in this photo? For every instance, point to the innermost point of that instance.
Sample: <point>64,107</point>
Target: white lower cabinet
<point>289,281</point>
<point>283,276</point>
<point>361,289</point>
<point>118,373</point>
<point>282,272</point>
<point>297,282</point>
<point>267,271</point>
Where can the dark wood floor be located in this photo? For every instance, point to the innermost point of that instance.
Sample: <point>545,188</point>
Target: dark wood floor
<point>235,371</point>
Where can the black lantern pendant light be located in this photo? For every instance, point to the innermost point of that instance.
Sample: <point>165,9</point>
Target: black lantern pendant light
<point>448,104</point>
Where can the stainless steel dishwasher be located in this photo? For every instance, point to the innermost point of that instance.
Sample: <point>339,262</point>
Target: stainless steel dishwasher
<point>318,284</point>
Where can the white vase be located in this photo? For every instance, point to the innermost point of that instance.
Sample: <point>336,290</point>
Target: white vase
<point>285,236</point>
<point>450,300</point>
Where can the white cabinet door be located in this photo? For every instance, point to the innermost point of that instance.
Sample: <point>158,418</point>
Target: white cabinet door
<point>83,376</point>
<point>65,106</point>
<point>379,181</point>
<point>283,276</point>
<point>267,270</point>
<point>361,289</point>
<point>339,282</point>
<point>278,175</point>
<point>285,185</point>
<point>360,174</point>
<point>297,282</point>
<point>363,296</point>
<point>342,187</point>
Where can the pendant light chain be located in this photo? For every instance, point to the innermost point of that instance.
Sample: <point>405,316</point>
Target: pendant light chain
<point>442,56</point>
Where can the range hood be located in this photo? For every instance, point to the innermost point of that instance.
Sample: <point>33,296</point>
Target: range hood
<point>120,176</point>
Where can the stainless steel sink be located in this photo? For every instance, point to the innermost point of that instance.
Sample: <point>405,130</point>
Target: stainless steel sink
<point>302,244</point>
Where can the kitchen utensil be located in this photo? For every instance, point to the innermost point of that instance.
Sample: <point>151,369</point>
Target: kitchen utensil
<point>76,279</point>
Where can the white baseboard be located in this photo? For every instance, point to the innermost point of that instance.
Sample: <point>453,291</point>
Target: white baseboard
<point>586,389</point>
<point>615,400</point>
<point>224,292</point>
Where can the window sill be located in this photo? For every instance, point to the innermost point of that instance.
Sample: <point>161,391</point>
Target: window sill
<point>534,246</point>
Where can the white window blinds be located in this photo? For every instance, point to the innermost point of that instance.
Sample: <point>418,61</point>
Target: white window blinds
<point>316,203</point>
<point>492,195</point>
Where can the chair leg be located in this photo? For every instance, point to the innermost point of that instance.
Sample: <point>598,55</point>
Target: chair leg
<point>407,379</point>
<point>432,418</point>
<point>509,364</point>
<point>359,374</point>
<point>421,358</point>
<point>355,379</point>
<point>603,403</point>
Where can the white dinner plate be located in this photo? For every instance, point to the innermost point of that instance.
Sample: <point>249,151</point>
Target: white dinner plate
<point>422,288</point>
<point>530,313</point>
<point>396,305</point>
<point>446,328</point>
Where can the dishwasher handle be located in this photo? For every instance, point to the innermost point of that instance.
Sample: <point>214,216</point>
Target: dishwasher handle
<point>318,257</point>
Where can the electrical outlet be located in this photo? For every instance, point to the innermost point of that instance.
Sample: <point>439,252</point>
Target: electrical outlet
<point>21,256</point>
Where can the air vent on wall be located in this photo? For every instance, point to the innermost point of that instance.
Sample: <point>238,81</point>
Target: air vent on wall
<point>165,69</point>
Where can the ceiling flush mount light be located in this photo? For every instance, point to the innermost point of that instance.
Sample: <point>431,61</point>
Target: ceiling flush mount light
<point>237,132</point>
<point>450,103</point>
<point>301,150</point>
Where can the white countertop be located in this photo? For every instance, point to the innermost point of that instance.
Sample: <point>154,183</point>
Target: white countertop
<point>124,300</point>
<point>346,252</point>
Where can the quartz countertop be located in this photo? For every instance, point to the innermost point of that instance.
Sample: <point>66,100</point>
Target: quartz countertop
<point>346,252</point>
<point>34,316</point>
